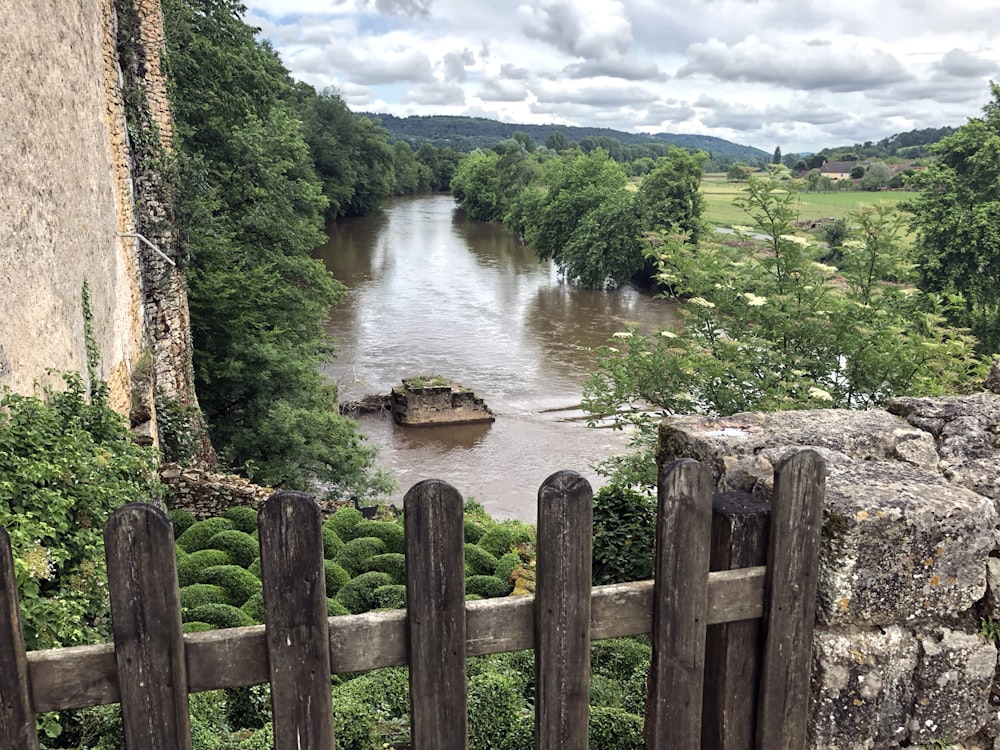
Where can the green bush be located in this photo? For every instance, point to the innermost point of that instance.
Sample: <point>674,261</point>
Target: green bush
<point>358,594</point>
<point>248,707</point>
<point>619,658</point>
<point>181,519</point>
<point>220,616</point>
<point>606,692</point>
<point>335,608</point>
<point>354,553</point>
<point>240,584</point>
<point>255,568</point>
<point>495,704</point>
<point>624,534</point>
<point>499,540</point>
<point>196,627</point>
<point>473,531</point>
<point>243,517</point>
<point>242,548</point>
<point>479,561</point>
<point>389,532</point>
<point>190,567</point>
<point>262,739</point>
<point>392,563</point>
<point>384,690</point>
<point>635,692</point>
<point>506,566</point>
<point>343,522</point>
<point>202,593</point>
<point>198,534</point>
<point>254,608</point>
<point>613,727</point>
<point>336,576</point>
<point>390,597</point>
<point>487,587</point>
<point>331,542</point>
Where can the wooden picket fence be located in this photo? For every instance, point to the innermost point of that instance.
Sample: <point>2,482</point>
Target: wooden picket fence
<point>731,647</point>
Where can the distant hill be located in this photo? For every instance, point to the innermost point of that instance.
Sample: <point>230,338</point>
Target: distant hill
<point>469,133</point>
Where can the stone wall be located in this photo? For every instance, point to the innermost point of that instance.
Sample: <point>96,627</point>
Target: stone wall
<point>75,75</point>
<point>910,543</point>
<point>206,494</point>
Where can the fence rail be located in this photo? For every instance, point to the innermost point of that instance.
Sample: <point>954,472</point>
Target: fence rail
<point>731,647</point>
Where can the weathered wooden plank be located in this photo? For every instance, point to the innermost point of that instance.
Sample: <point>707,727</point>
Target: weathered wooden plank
<point>146,621</point>
<point>733,650</point>
<point>562,612</point>
<point>297,628</point>
<point>790,601</point>
<point>84,676</point>
<point>17,716</point>
<point>680,605</point>
<point>435,600</point>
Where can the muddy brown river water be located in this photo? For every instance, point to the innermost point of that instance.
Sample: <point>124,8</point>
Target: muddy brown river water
<point>432,292</point>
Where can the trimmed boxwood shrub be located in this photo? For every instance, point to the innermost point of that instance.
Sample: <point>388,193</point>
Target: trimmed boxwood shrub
<point>202,593</point>
<point>473,531</point>
<point>181,519</point>
<point>619,658</point>
<point>335,575</point>
<point>624,534</point>
<point>254,607</point>
<point>499,540</point>
<point>335,608</point>
<point>240,584</point>
<point>354,553</point>
<point>506,565</point>
<point>613,727</point>
<point>220,616</point>
<point>243,517</point>
<point>495,702</point>
<point>190,567</point>
<point>358,594</point>
<point>242,548</point>
<point>389,597</point>
<point>197,535</point>
<point>479,561</point>
<point>606,692</point>
<point>331,543</point>
<point>392,563</point>
<point>196,627</point>
<point>254,568</point>
<point>389,532</point>
<point>487,587</point>
<point>343,522</point>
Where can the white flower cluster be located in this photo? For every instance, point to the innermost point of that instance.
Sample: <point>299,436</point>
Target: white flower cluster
<point>755,300</point>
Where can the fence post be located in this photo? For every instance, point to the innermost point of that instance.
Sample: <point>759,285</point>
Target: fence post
<point>297,625</point>
<point>680,603</point>
<point>435,603</point>
<point>733,650</point>
<point>17,717</point>
<point>790,601</point>
<point>146,620</point>
<point>562,612</point>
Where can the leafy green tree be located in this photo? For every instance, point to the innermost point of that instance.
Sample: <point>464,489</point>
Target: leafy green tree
<point>957,221</point>
<point>738,172</point>
<point>670,195</point>
<point>605,248</point>
<point>251,208</point>
<point>476,188</point>
<point>766,327</point>
<point>776,159</point>
<point>876,177</point>
<point>556,141</point>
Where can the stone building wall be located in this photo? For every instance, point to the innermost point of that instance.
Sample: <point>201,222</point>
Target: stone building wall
<point>909,561</point>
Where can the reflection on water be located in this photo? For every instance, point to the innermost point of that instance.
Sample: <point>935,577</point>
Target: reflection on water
<point>431,292</point>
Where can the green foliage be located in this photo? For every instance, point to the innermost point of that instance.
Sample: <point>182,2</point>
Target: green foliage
<point>255,568</point>
<point>957,221</point>
<point>473,531</point>
<point>624,535</point>
<point>670,196</point>
<point>250,207</point>
<point>199,534</point>
<point>181,519</point>
<point>479,561</point>
<point>502,538</point>
<point>487,587</point>
<point>336,576</point>
<point>613,727</point>
<point>248,707</point>
<point>620,658</point>
<point>331,542</point>
<point>243,517</point>
<point>240,584</point>
<point>495,704</point>
<point>353,554</point>
<point>766,327</point>
<point>606,692</point>
<point>220,616</point>
<point>65,464</point>
<point>989,628</point>
<point>390,597</point>
<point>393,563</point>
<point>240,546</point>
<point>335,609</point>
<point>389,532</point>
<point>179,427</point>
<point>195,626</point>
<point>343,522</point>
<point>202,593</point>
<point>190,567</point>
<point>358,594</point>
<point>254,607</point>
<point>506,566</point>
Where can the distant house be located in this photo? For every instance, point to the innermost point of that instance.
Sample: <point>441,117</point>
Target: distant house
<point>838,170</point>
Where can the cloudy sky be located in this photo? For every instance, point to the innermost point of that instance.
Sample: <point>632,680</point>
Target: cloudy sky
<point>799,74</point>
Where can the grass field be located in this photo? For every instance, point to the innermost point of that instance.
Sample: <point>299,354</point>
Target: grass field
<point>720,211</point>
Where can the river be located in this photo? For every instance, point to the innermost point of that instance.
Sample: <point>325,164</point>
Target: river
<point>432,292</point>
